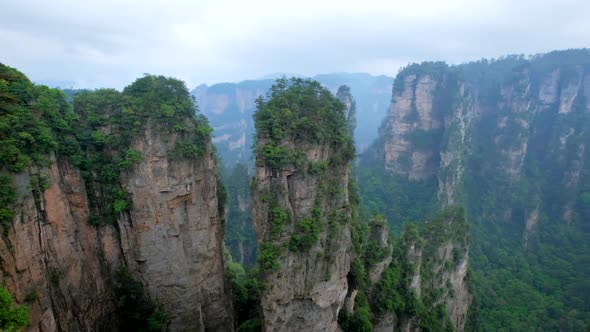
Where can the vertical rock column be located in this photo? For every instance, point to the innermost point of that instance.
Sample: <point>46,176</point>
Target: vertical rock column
<point>175,235</point>
<point>301,207</point>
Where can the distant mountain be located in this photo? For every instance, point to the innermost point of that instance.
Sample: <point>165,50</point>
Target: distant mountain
<point>61,84</point>
<point>229,107</point>
<point>274,76</point>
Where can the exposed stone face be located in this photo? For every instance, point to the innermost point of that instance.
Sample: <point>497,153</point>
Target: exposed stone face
<point>511,148</point>
<point>447,265</point>
<point>531,222</point>
<point>452,156</point>
<point>171,240</point>
<point>309,289</point>
<point>52,251</point>
<point>413,111</point>
<point>505,120</point>
<point>175,235</point>
<point>343,94</point>
<point>385,323</point>
<point>456,297</point>
<point>379,232</point>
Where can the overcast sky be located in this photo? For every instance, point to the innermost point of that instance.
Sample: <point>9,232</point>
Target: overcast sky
<point>109,43</point>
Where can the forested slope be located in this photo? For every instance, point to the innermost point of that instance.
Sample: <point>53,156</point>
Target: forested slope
<point>507,139</point>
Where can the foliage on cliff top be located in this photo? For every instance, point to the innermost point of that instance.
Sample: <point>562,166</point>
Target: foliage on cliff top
<point>505,69</point>
<point>111,120</point>
<point>34,121</point>
<point>446,225</point>
<point>303,111</point>
<point>425,68</point>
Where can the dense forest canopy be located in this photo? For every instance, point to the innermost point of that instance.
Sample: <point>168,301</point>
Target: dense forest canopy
<point>301,110</point>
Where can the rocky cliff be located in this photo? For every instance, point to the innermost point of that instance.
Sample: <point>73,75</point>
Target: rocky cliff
<point>301,206</point>
<point>118,212</point>
<point>343,94</point>
<point>443,119</point>
<point>415,281</point>
<point>53,260</point>
<point>435,263</point>
<point>506,139</point>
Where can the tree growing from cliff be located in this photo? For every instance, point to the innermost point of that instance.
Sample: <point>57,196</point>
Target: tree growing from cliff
<point>136,311</point>
<point>12,317</point>
<point>108,123</point>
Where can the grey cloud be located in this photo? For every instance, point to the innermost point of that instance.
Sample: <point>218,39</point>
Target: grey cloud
<point>109,43</point>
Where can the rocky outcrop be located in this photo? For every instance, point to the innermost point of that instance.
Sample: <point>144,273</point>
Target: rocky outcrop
<point>302,215</point>
<point>434,263</point>
<point>309,288</point>
<point>379,236</point>
<point>415,114</point>
<point>343,94</point>
<point>61,257</point>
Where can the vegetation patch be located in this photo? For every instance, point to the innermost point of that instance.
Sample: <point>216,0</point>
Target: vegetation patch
<point>300,111</point>
<point>137,312</point>
<point>12,317</point>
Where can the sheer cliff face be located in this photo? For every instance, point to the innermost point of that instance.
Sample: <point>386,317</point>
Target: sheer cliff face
<point>173,235</point>
<point>302,214</point>
<point>446,275</point>
<point>458,125</point>
<point>50,250</point>
<point>507,139</point>
<point>309,288</point>
<point>343,94</point>
<point>169,237</point>
<point>440,269</point>
<point>414,112</point>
